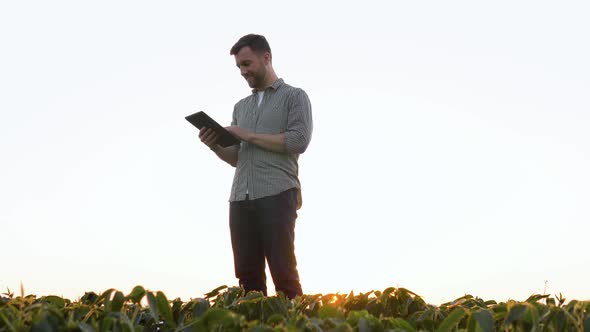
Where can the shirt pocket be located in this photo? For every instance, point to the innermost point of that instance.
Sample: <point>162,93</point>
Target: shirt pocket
<point>273,120</point>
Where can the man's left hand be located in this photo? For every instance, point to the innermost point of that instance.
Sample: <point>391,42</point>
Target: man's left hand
<point>240,133</point>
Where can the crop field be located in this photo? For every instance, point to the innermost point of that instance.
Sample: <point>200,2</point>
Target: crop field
<point>229,309</point>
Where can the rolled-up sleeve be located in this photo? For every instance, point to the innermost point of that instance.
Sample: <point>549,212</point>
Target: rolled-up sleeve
<point>299,123</point>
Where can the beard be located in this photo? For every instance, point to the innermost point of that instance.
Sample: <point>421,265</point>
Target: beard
<point>257,79</point>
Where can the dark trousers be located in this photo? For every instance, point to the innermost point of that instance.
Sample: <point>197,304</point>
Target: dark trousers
<point>264,229</point>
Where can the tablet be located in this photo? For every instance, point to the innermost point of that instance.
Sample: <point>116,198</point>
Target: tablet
<point>201,119</point>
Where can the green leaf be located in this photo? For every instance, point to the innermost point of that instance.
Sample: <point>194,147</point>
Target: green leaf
<point>153,304</point>
<point>7,323</point>
<point>329,311</point>
<point>136,294</point>
<point>55,300</point>
<point>106,325</point>
<point>89,298</point>
<point>484,319</point>
<point>218,317</point>
<point>261,328</point>
<point>117,302</point>
<point>106,295</point>
<point>472,324</point>
<point>536,297</point>
<point>43,325</point>
<point>86,327</point>
<point>403,324</point>
<point>363,325</point>
<point>515,313</point>
<point>164,309</point>
<point>355,315</point>
<point>215,292</point>
<point>275,319</point>
<point>254,296</point>
<point>125,322</point>
<point>276,305</point>
<point>105,299</point>
<point>177,312</point>
<point>200,306</point>
<point>534,313</point>
<point>452,320</point>
<point>426,315</point>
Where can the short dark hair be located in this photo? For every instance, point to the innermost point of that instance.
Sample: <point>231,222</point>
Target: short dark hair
<point>257,43</point>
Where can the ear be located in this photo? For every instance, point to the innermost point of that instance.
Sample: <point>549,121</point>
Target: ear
<point>267,58</point>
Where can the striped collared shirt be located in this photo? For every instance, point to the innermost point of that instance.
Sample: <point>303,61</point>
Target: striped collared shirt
<point>260,172</point>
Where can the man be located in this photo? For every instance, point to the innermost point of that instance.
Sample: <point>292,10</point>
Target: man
<point>274,124</point>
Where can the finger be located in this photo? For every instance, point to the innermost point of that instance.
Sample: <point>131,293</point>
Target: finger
<point>211,139</point>
<point>205,133</point>
<point>202,131</point>
<point>234,131</point>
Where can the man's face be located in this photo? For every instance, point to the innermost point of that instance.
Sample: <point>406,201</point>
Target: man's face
<point>252,66</point>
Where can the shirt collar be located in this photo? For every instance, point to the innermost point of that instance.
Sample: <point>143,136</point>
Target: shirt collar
<point>275,85</point>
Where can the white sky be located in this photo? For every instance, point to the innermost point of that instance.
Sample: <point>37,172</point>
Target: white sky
<point>450,153</point>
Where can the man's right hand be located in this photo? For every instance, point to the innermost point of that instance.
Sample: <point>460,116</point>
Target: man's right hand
<point>209,137</point>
